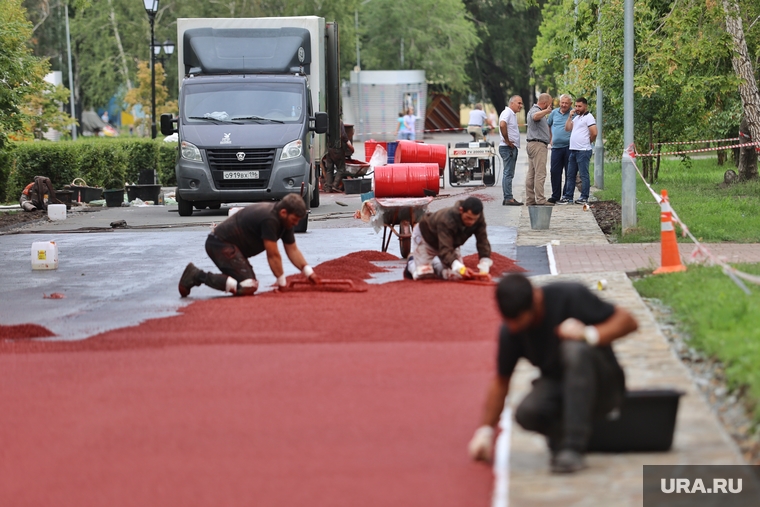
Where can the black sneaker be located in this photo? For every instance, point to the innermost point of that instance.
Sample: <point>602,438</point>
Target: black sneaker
<point>568,461</point>
<point>581,201</point>
<point>190,278</point>
<point>552,200</point>
<point>564,201</point>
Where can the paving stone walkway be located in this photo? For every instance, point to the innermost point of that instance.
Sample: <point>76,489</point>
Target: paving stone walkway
<point>584,255</point>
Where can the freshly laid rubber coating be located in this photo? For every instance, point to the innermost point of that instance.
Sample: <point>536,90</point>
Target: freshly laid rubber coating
<point>406,180</point>
<point>413,152</point>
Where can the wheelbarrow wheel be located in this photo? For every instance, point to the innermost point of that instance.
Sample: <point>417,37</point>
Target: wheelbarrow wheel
<point>405,238</point>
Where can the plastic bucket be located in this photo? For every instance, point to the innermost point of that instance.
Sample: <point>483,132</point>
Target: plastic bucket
<point>406,180</point>
<point>114,198</point>
<point>44,255</point>
<point>413,152</point>
<point>540,216</point>
<point>56,211</point>
<point>390,148</point>
<point>369,148</point>
<point>143,192</point>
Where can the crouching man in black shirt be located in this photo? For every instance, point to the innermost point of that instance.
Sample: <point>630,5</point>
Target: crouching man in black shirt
<point>565,331</point>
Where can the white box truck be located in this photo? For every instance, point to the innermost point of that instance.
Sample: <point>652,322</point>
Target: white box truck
<point>256,96</point>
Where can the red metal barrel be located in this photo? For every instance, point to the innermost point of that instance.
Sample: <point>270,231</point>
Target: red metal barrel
<point>413,152</point>
<point>369,148</point>
<point>406,180</point>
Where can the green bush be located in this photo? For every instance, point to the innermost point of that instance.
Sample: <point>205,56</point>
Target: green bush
<point>99,162</point>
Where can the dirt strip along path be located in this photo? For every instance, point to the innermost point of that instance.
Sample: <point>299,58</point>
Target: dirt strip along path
<point>322,399</point>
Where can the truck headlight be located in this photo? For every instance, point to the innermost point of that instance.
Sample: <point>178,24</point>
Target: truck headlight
<point>190,152</point>
<point>292,150</point>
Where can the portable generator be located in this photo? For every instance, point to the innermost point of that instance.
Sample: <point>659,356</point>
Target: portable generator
<point>472,162</point>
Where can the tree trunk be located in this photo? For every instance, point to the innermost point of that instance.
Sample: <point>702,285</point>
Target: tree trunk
<point>124,69</point>
<point>748,87</point>
<point>747,156</point>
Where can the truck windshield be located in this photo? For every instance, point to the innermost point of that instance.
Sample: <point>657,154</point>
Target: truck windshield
<point>244,102</point>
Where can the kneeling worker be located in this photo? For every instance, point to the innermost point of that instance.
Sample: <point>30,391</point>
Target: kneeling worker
<point>437,237</point>
<point>565,331</point>
<point>252,230</point>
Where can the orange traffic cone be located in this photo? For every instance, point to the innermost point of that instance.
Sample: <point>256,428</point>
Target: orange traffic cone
<point>671,258</point>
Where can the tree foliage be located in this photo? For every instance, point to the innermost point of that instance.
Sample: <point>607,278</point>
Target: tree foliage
<point>21,73</point>
<point>432,35</point>
<point>685,88</point>
<point>501,63</point>
<point>142,96</point>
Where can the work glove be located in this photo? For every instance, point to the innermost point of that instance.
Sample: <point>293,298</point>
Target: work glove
<point>484,266</point>
<point>481,445</point>
<point>310,275</point>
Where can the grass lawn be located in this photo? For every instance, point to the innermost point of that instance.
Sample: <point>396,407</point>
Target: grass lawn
<point>714,213</point>
<point>722,321</point>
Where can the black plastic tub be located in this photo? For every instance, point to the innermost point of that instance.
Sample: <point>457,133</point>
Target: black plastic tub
<point>114,198</point>
<point>143,192</point>
<point>85,194</point>
<point>646,424</point>
<point>357,185</point>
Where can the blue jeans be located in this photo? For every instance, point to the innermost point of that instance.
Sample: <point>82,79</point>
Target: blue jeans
<point>509,156</point>
<point>558,169</point>
<point>577,163</point>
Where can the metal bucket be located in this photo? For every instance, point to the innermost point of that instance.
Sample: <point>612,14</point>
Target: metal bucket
<point>540,216</point>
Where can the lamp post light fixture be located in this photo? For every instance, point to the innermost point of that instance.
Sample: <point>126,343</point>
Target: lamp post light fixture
<point>151,8</point>
<point>168,51</point>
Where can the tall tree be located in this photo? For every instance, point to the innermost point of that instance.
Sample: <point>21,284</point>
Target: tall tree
<point>501,64</point>
<point>747,84</point>
<point>432,35</point>
<point>21,73</point>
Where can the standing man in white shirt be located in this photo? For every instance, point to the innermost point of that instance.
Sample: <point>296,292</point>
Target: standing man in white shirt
<point>582,127</point>
<point>509,146</point>
<point>478,118</point>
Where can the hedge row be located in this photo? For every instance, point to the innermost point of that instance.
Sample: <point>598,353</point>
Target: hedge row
<point>101,162</point>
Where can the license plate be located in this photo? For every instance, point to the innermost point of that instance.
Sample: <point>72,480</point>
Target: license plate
<point>240,175</point>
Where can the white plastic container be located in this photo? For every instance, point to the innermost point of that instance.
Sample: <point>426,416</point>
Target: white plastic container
<point>57,211</point>
<point>44,255</point>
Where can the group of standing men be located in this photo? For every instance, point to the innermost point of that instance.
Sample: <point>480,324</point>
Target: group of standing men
<point>570,133</point>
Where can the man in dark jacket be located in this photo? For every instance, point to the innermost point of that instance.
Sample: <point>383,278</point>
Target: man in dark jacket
<point>334,162</point>
<point>437,237</point>
<point>252,230</point>
<point>566,331</point>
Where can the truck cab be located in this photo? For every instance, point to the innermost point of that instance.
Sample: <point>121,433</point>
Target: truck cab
<point>247,126</point>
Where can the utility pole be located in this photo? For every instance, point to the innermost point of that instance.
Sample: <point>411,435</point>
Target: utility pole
<point>599,145</point>
<point>71,77</point>
<point>629,172</point>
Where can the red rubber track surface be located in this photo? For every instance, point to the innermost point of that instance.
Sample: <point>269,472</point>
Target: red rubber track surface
<point>319,399</point>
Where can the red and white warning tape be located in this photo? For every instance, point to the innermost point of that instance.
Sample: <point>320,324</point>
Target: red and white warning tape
<point>699,150</point>
<point>700,249</point>
<point>700,142</point>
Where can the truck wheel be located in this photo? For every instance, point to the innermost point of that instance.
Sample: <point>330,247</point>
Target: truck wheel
<point>185,207</point>
<point>303,224</point>
<point>215,205</point>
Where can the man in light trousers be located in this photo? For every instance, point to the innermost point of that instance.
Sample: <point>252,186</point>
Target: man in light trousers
<point>539,137</point>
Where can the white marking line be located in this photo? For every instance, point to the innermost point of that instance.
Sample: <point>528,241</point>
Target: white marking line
<point>501,460</point>
<point>552,262</point>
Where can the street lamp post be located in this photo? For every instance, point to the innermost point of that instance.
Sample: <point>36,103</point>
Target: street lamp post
<point>151,7</point>
<point>168,46</point>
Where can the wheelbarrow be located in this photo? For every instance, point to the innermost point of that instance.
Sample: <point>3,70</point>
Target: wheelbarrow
<point>401,212</point>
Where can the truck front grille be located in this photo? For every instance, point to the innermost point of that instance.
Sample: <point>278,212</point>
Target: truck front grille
<point>261,160</point>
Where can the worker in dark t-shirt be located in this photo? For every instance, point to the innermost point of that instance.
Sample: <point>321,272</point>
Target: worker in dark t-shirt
<point>254,229</point>
<point>565,331</point>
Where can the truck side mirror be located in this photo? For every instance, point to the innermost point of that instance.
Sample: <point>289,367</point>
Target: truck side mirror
<point>320,123</point>
<point>167,124</point>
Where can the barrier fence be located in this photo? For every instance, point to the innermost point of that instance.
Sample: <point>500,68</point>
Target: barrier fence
<point>734,274</point>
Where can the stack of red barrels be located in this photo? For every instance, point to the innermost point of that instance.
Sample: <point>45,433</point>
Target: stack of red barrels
<point>416,171</point>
